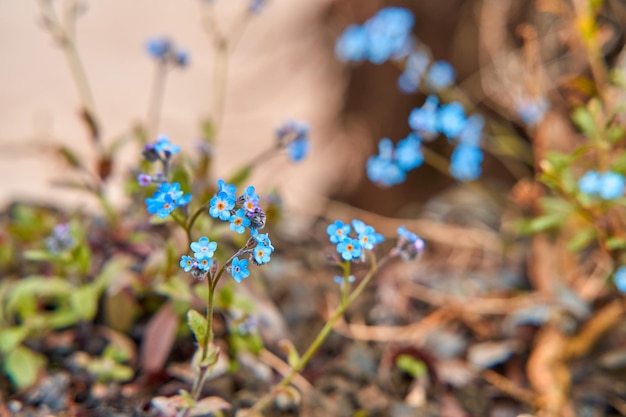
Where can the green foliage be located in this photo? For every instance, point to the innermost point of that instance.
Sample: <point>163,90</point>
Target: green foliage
<point>198,325</point>
<point>412,366</point>
<point>22,365</point>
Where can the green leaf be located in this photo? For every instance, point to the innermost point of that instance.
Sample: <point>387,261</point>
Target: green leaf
<point>581,239</point>
<point>540,224</point>
<point>290,350</point>
<point>39,255</point>
<point>615,243</point>
<point>240,176</point>
<point>560,161</point>
<point>198,325</point>
<point>70,157</point>
<point>208,130</point>
<point>555,205</point>
<point>248,342</point>
<point>155,220</point>
<point>82,256</point>
<point>225,297</point>
<point>12,337</point>
<point>568,181</point>
<point>619,163</point>
<point>61,319</point>
<point>616,133</point>
<point>84,301</point>
<point>41,286</point>
<point>112,271</point>
<point>22,365</point>
<point>412,366</point>
<point>121,373</point>
<point>181,176</point>
<point>176,289</point>
<point>584,120</point>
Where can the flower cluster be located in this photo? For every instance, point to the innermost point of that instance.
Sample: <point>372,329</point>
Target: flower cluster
<point>202,260</point>
<point>294,137</point>
<point>607,186</point>
<point>450,120</point>
<point>164,51</point>
<point>60,239</point>
<point>438,76</point>
<point>409,245</point>
<point>386,35</point>
<point>159,151</point>
<point>351,248</point>
<point>242,212</point>
<point>390,166</point>
<point>167,198</point>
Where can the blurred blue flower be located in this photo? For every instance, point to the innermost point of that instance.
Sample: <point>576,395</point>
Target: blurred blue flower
<point>408,153</point>
<point>590,183</point>
<point>167,198</point>
<point>465,162</point>
<point>256,6</point>
<point>423,119</point>
<point>294,136</point>
<point>451,119</point>
<point>440,75</point>
<point>472,130</point>
<point>298,148</point>
<point>619,278</point>
<point>608,185</point>
<point>386,35</point>
<point>612,185</point>
<point>415,66</point>
<point>384,172</point>
<point>532,110</point>
<point>162,49</point>
<point>164,145</point>
<point>158,48</point>
<point>352,44</point>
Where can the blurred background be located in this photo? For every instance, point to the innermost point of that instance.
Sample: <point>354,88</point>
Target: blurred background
<point>283,68</point>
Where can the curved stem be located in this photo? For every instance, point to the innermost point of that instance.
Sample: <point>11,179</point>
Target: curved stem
<point>319,339</point>
<point>193,219</point>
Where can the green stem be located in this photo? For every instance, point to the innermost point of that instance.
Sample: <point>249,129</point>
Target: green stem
<point>208,339</point>
<point>178,220</point>
<point>435,160</point>
<point>319,339</point>
<point>193,219</point>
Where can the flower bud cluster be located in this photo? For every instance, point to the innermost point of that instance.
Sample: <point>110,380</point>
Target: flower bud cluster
<point>409,245</point>
<point>164,51</point>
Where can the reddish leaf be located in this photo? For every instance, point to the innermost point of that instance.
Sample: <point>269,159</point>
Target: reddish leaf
<point>159,338</point>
